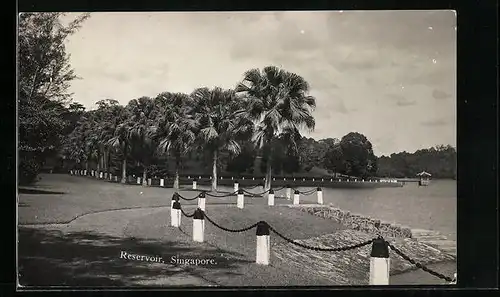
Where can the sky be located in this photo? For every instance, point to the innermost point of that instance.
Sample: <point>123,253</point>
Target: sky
<point>390,75</point>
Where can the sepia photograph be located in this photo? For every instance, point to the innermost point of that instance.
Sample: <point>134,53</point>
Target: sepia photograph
<point>236,149</point>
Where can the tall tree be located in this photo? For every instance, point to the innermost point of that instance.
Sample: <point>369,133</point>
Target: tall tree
<point>220,117</point>
<point>122,137</point>
<point>142,131</point>
<point>334,159</point>
<point>279,103</point>
<point>44,76</point>
<point>175,130</point>
<point>357,154</point>
<point>244,161</point>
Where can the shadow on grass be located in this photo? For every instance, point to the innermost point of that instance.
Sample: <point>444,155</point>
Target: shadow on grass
<point>51,258</point>
<point>23,190</point>
<point>23,204</point>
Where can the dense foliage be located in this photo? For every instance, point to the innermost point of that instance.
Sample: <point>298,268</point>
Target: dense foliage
<point>44,77</point>
<point>440,161</point>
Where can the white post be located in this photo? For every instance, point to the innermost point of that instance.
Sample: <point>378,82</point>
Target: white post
<point>176,214</point>
<point>116,178</point>
<point>201,201</point>
<point>149,181</point>
<point>263,244</point>
<point>270,197</point>
<point>198,225</point>
<point>296,197</point>
<point>241,199</point>
<point>138,180</point>
<point>162,182</point>
<point>320,195</point>
<point>236,186</point>
<point>379,263</point>
<point>71,172</point>
<point>288,192</point>
<point>194,184</point>
<point>85,172</point>
<point>100,175</point>
<point>175,197</point>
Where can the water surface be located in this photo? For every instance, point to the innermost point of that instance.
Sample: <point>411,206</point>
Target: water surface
<point>433,207</point>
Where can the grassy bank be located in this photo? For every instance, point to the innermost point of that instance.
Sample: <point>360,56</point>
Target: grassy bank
<point>84,249</point>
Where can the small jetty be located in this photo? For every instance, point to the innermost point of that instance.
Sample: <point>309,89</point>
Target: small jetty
<point>424,178</point>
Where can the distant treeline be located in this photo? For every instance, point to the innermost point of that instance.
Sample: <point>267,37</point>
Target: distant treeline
<point>440,161</point>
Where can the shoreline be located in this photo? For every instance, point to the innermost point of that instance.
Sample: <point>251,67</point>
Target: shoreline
<point>367,224</point>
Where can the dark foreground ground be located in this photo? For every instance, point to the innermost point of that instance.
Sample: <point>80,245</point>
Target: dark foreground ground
<point>76,239</point>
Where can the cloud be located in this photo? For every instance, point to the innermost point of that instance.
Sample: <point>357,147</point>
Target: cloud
<point>435,76</point>
<point>401,100</point>
<point>406,103</point>
<point>438,94</point>
<point>434,123</point>
<point>341,107</point>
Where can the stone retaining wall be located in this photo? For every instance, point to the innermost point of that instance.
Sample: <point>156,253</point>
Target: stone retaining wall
<point>357,221</point>
<point>352,267</point>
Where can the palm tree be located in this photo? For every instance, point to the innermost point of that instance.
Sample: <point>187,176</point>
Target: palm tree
<point>278,103</point>
<point>219,116</point>
<point>74,145</point>
<point>175,129</point>
<point>121,140</point>
<point>142,131</point>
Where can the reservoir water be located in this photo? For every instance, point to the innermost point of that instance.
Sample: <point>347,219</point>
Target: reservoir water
<point>433,207</point>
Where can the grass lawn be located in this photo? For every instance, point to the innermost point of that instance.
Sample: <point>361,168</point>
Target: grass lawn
<point>77,238</point>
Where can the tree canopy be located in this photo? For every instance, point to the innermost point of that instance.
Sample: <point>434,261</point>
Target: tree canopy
<point>44,78</point>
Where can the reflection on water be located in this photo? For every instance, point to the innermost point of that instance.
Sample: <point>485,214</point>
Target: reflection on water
<point>433,207</point>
